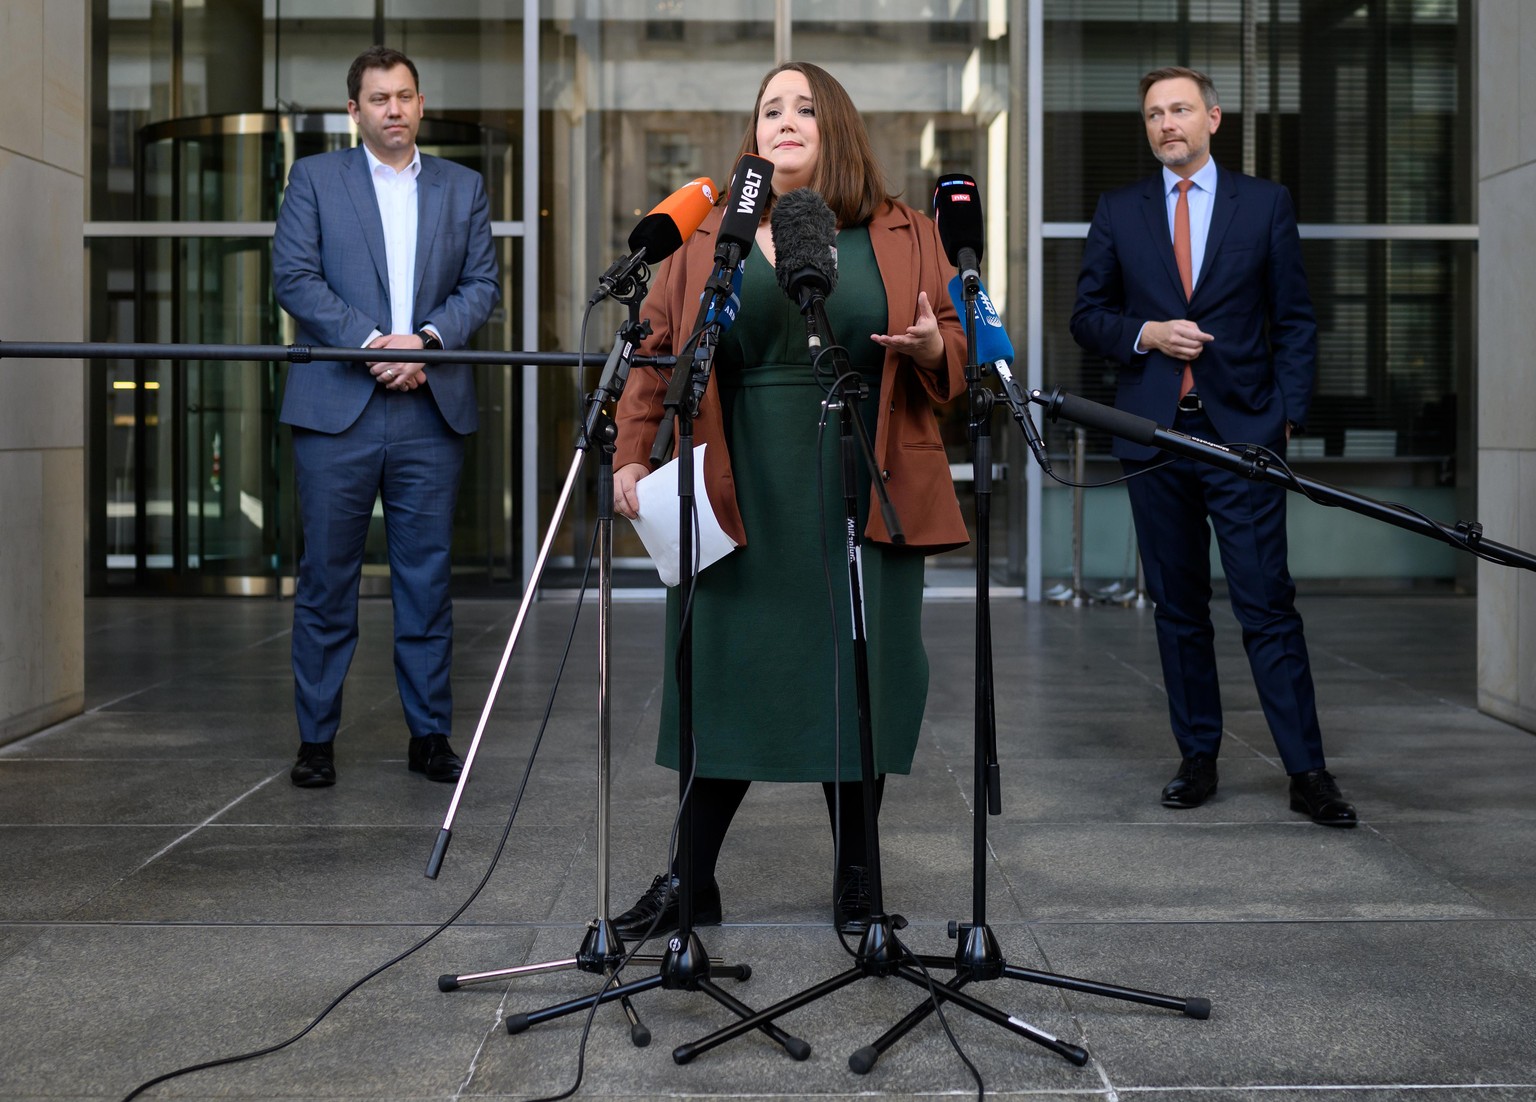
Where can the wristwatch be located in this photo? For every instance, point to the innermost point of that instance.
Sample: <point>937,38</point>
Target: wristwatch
<point>429,339</point>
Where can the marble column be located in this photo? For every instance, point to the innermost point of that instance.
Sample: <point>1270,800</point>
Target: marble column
<point>42,403</point>
<point>1506,359</point>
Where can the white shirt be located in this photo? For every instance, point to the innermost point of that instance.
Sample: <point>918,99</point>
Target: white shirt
<point>396,193</point>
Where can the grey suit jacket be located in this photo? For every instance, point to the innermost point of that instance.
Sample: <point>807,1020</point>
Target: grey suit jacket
<point>329,271</point>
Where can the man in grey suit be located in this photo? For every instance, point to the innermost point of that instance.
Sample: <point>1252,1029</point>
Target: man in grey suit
<point>380,247</point>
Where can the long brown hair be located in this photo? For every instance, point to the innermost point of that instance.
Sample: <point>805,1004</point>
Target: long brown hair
<point>848,175</point>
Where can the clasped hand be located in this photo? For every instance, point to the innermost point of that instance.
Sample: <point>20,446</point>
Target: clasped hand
<point>1180,339</point>
<point>398,376</point>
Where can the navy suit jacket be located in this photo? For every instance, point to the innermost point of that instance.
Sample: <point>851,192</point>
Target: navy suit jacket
<point>1257,371</point>
<point>330,272</point>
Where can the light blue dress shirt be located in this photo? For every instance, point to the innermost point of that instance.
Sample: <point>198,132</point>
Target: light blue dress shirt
<point>1202,200</point>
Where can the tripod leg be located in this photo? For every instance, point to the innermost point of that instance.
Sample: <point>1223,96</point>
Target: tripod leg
<point>797,1048</point>
<point>639,1035</point>
<point>516,1023</point>
<point>450,982</point>
<point>1071,1053</point>
<point>1194,1007</point>
<point>684,1053</point>
<point>864,1059</point>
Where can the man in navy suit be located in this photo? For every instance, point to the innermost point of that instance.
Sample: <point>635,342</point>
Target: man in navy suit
<point>1192,284</point>
<point>380,247</point>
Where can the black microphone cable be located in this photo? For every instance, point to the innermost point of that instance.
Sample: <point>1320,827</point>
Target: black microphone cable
<point>478,888</point>
<point>457,914</point>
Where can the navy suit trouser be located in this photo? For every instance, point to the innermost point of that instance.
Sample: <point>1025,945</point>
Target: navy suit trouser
<point>1175,508</point>
<point>401,452</point>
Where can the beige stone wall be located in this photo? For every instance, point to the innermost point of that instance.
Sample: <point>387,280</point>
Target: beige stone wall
<point>1506,374</point>
<point>42,403</point>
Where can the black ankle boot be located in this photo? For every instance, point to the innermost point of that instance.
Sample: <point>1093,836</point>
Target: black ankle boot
<point>852,906</point>
<point>660,899</point>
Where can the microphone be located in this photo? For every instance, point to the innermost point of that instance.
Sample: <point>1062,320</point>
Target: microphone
<point>660,233</point>
<point>673,220</point>
<point>719,313</point>
<point>724,313</point>
<point>805,246</point>
<point>721,299</point>
<point>992,343</point>
<point>957,210</point>
<point>993,347</point>
<point>1117,422</point>
<point>805,256</point>
<point>744,212</point>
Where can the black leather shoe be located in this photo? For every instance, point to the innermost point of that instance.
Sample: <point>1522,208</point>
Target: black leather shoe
<point>1316,793</point>
<point>852,905</point>
<point>1193,784</point>
<point>433,756</point>
<point>661,899</point>
<point>316,768</point>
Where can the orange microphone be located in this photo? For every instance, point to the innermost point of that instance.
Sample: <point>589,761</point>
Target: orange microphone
<point>657,236</point>
<point>673,220</point>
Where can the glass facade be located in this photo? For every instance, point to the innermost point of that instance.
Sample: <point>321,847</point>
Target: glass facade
<point>582,116</point>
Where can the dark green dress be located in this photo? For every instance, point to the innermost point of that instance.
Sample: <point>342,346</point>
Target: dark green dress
<point>765,695</point>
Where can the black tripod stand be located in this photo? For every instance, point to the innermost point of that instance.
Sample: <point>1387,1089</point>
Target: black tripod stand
<point>879,953</point>
<point>685,966</point>
<point>978,955</point>
<point>602,951</point>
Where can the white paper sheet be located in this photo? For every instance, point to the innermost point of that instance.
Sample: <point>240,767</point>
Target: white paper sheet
<point>657,523</point>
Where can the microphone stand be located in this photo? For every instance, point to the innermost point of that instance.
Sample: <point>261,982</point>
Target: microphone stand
<point>1254,463</point>
<point>602,950</point>
<point>685,966</point>
<point>880,954</point>
<point>978,955</point>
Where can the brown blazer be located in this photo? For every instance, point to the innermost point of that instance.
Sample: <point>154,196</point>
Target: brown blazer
<point>907,445</point>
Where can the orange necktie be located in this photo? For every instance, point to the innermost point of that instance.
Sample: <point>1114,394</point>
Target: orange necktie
<point>1182,257</point>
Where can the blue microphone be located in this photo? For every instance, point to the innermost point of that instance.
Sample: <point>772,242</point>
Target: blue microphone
<point>992,343</point>
<point>724,313</point>
<point>994,349</point>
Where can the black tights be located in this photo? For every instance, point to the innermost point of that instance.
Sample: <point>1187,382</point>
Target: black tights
<point>716,799</point>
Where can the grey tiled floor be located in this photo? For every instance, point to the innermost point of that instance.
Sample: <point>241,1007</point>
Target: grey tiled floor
<point>167,897</point>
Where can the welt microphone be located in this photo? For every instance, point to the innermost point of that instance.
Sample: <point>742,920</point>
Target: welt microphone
<point>957,210</point>
<point>660,233</point>
<point>744,209</point>
<point>805,256</point>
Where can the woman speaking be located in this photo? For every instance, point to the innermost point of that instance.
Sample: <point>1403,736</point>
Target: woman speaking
<point>772,665</point>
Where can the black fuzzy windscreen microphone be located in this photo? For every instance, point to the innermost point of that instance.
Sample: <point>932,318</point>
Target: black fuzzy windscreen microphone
<point>804,245</point>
